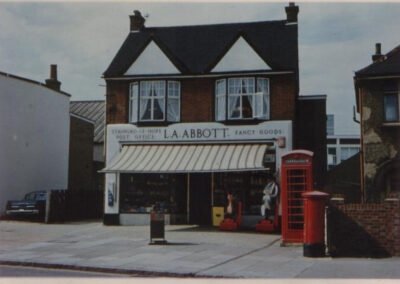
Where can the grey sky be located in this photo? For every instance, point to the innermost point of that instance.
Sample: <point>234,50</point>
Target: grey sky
<point>335,39</point>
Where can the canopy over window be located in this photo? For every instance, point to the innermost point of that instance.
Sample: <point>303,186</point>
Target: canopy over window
<point>188,158</point>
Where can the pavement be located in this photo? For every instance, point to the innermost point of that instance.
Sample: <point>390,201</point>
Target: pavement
<point>191,251</point>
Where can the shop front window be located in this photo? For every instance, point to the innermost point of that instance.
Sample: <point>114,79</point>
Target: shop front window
<point>246,98</point>
<point>246,187</point>
<point>154,101</point>
<point>141,193</point>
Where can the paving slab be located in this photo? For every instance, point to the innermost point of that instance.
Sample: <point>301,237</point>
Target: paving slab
<point>191,250</point>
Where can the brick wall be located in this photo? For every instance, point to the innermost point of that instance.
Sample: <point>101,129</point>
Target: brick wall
<point>197,100</point>
<point>369,230</point>
<point>117,104</point>
<point>283,98</point>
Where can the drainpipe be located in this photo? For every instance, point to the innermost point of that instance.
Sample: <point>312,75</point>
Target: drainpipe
<point>360,104</point>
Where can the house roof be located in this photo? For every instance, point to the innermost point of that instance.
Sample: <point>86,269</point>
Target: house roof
<point>388,65</point>
<point>32,82</point>
<point>92,110</point>
<point>197,49</point>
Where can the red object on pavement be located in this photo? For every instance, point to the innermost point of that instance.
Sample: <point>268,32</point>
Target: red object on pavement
<point>314,223</point>
<point>229,224</point>
<point>267,225</point>
<point>296,178</point>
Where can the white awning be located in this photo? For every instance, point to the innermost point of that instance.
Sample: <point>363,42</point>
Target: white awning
<point>188,158</point>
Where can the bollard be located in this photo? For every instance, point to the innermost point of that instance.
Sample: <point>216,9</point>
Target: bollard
<point>314,223</point>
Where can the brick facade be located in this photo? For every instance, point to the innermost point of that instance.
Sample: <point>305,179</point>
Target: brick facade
<point>117,102</point>
<point>370,230</point>
<point>197,100</point>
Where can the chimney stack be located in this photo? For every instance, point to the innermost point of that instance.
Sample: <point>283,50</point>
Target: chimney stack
<point>52,82</point>
<point>137,21</point>
<point>291,13</point>
<point>378,55</point>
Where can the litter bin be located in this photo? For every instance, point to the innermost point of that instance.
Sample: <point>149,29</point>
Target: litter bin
<point>157,228</point>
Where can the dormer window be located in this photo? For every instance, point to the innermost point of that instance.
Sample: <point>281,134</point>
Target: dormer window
<point>242,99</point>
<point>154,101</point>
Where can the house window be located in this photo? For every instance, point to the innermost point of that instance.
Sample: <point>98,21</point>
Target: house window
<point>331,157</point>
<point>174,95</point>
<point>246,98</point>
<point>391,103</point>
<point>220,100</point>
<point>347,152</point>
<point>391,107</point>
<point>133,102</point>
<point>154,101</point>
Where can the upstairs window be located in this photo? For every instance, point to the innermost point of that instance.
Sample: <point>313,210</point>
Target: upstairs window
<point>242,98</point>
<point>152,101</point>
<point>391,102</point>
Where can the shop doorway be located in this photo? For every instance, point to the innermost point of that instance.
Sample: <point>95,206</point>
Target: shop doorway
<point>200,199</point>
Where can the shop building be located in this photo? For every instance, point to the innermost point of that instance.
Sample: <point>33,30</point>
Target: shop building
<point>195,112</point>
<point>377,93</point>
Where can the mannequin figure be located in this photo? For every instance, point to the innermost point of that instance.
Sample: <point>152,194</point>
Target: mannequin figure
<point>270,194</point>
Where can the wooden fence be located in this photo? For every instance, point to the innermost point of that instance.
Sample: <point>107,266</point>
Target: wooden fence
<point>73,205</point>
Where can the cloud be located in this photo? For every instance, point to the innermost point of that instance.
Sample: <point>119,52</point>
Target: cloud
<point>335,39</point>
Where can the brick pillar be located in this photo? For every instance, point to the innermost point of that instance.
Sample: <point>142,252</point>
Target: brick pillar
<point>392,206</point>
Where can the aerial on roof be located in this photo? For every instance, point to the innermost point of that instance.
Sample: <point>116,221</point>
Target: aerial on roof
<point>92,110</point>
<point>387,65</point>
<point>195,50</point>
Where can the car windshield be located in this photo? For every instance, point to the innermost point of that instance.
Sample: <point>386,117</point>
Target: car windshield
<point>35,196</point>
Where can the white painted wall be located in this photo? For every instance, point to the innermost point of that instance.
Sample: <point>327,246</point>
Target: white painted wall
<point>152,61</point>
<point>34,139</point>
<point>241,57</point>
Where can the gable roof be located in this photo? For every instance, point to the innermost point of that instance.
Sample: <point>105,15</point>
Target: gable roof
<point>388,65</point>
<point>196,50</point>
<point>92,110</point>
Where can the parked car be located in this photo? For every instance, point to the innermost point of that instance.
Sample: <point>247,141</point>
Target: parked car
<point>33,204</point>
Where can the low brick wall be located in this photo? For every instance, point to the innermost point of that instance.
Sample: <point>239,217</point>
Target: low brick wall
<point>369,230</point>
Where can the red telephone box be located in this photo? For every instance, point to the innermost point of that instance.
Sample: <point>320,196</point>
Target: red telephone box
<point>296,178</point>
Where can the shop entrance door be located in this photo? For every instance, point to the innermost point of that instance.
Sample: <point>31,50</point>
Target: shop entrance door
<point>200,199</point>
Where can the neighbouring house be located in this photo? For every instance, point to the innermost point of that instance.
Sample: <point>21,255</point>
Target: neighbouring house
<point>34,136</point>
<point>94,111</point>
<point>195,112</point>
<point>377,90</point>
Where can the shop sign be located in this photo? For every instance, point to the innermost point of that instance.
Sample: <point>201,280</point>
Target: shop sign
<point>200,132</point>
<point>296,161</point>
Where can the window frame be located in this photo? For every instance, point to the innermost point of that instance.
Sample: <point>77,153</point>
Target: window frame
<point>256,92</point>
<point>137,119</point>
<point>395,94</point>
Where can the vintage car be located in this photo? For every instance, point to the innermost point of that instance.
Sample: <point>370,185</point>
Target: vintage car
<point>34,203</point>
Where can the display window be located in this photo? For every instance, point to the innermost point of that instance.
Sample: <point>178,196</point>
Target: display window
<point>142,193</point>
<point>246,187</point>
